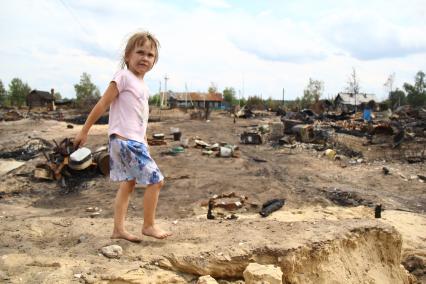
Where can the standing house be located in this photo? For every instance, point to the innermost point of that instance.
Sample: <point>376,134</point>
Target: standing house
<point>193,99</point>
<point>38,98</point>
<point>348,101</point>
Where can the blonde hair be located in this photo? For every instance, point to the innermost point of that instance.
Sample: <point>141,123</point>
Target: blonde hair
<point>139,39</point>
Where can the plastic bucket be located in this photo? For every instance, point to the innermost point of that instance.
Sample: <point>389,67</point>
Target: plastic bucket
<point>177,135</point>
<point>225,152</point>
<point>184,142</point>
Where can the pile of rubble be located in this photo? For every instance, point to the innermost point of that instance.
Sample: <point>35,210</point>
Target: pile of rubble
<point>398,135</point>
<point>64,163</point>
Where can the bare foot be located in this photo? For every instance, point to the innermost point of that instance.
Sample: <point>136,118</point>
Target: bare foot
<point>155,232</point>
<point>125,236</point>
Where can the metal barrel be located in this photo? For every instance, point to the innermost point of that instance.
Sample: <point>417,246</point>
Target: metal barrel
<point>102,160</point>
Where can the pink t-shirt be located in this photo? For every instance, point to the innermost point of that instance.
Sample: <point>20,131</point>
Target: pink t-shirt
<point>129,112</point>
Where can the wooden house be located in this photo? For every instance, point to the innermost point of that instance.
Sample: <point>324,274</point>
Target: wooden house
<point>38,98</point>
<point>194,99</point>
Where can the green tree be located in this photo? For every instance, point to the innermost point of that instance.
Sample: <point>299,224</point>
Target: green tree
<point>18,92</point>
<point>312,93</point>
<point>154,100</point>
<point>273,105</point>
<point>3,94</point>
<point>416,94</point>
<point>87,92</point>
<point>397,98</point>
<point>57,96</point>
<point>229,96</point>
<point>255,102</point>
<point>213,88</point>
<point>296,105</point>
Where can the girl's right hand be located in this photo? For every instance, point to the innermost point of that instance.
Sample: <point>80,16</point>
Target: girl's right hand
<point>80,139</point>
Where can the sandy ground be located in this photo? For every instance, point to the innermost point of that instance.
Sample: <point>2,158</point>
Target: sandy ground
<point>307,180</point>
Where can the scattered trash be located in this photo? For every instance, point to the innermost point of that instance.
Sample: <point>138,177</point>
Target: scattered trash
<point>94,214</point>
<point>277,131</point>
<point>244,112</point>
<point>285,140</point>
<point>385,170</point>
<point>251,138</point>
<point>42,171</point>
<point>27,151</point>
<point>347,198</point>
<point>70,167</point>
<point>184,142</point>
<point>80,159</point>
<point>304,132</point>
<point>176,150</point>
<point>92,209</point>
<point>403,177</point>
<point>225,152</point>
<point>264,128</point>
<point>271,206</point>
<point>159,136</point>
<point>207,152</point>
<point>330,153</point>
<point>12,115</point>
<point>174,130</point>
<point>176,133</point>
<point>226,201</point>
<point>288,125</point>
<point>258,160</point>
<point>214,147</point>
<point>209,210</point>
<point>101,158</point>
<point>378,211</point>
<point>231,217</point>
<point>177,136</point>
<point>7,166</point>
<point>201,143</point>
<point>156,142</point>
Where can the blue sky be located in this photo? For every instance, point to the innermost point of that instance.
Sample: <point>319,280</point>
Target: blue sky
<point>257,47</point>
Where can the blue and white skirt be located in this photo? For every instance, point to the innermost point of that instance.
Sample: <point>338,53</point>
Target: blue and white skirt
<point>130,160</point>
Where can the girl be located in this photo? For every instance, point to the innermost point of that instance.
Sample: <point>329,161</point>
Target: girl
<point>130,161</point>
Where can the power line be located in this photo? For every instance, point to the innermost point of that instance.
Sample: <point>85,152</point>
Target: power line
<point>75,17</point>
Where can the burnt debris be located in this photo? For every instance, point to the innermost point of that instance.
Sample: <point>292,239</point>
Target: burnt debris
<point>271,206</point>
<point>28,151</point>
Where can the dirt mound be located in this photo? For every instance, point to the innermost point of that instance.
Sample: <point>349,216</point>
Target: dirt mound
<point>348,251</point>
<point>305,252</point>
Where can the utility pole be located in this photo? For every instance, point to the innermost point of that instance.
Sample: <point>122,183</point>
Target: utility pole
<point>161,99</point>
<point>283,98</point>
<point>159,93</point>
<point>355,101</point>
<point>243,88</point>
<point>165,88</point>
<point>186,96</point>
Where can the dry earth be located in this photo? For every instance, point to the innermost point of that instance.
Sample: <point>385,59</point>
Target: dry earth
<point>47,236</point>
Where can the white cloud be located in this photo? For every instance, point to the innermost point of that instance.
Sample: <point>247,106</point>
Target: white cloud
<point>214,3</point>
<point>52,43</point>
<point>366,36</point>
<point>278,40</point>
